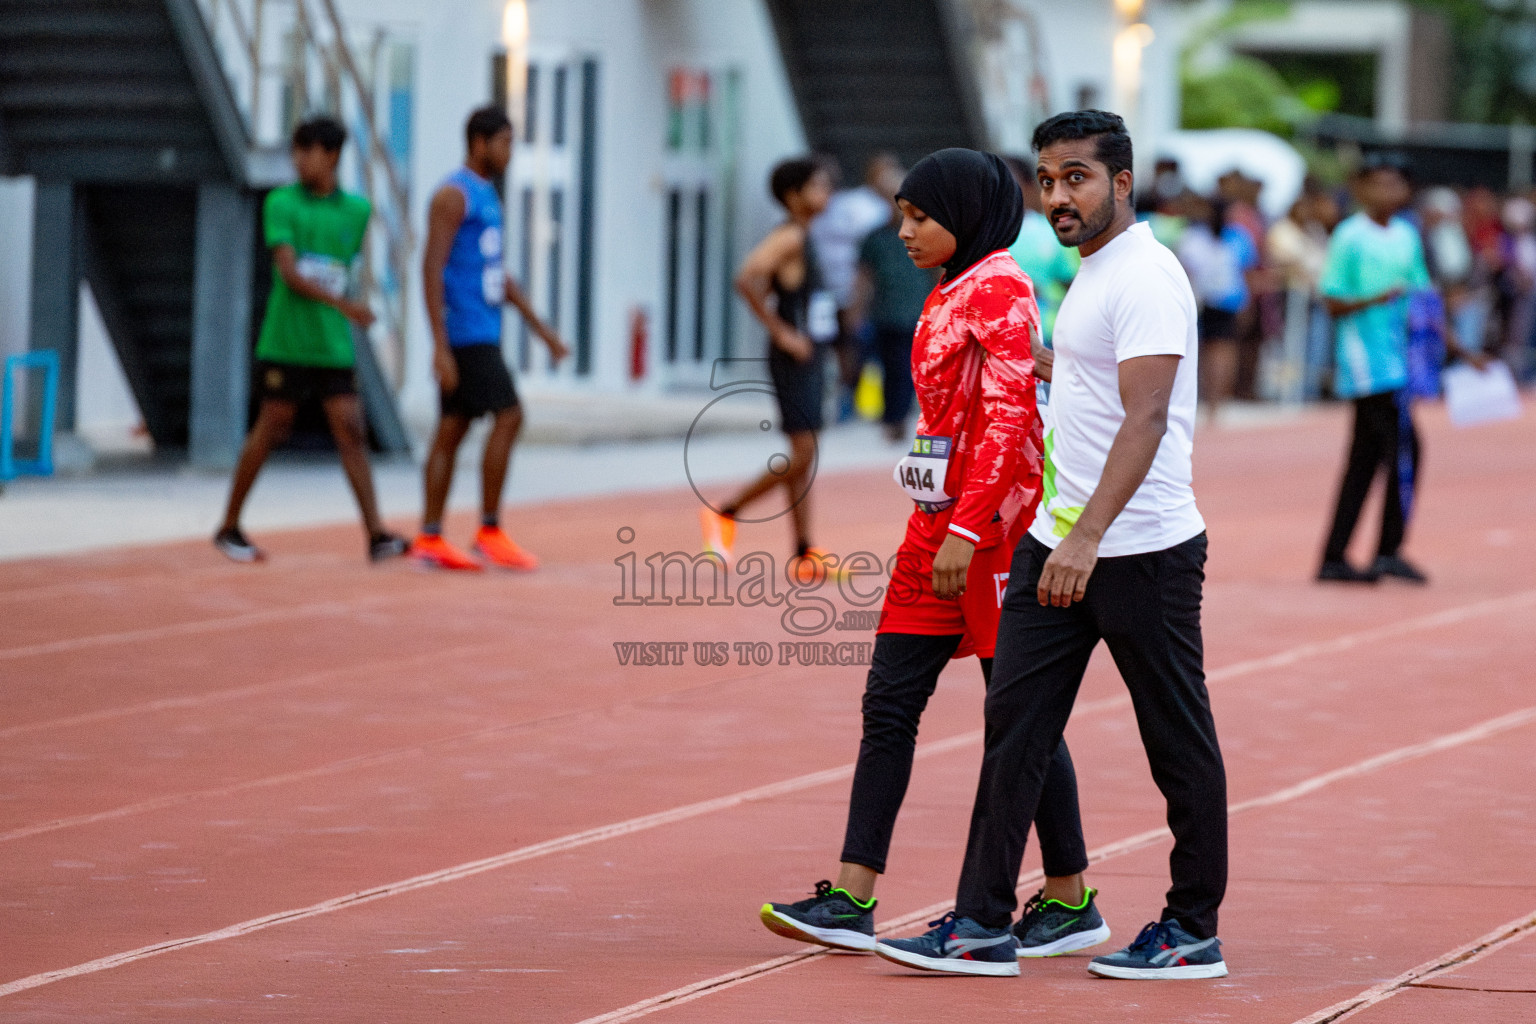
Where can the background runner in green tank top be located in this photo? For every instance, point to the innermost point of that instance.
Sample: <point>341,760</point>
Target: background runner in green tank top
<point>326,233</point>
<point>315,231</point>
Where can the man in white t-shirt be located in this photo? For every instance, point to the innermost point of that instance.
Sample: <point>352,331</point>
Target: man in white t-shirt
<point>1116,553</point>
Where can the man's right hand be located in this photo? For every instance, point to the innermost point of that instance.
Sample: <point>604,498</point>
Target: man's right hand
<point>446,370</point>
<point>795,343</point>
<point>357,312</point>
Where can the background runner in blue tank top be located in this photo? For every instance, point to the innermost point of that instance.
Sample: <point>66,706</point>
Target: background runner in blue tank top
<point>474,282</point>
<point>465,287</point>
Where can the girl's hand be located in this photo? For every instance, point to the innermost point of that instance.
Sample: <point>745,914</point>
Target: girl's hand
<point>950,566</point>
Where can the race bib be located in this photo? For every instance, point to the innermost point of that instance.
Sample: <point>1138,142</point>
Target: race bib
<point>325,273</point>
<point>493,285</point>
<point>821,317</point>
<point>922,471</point>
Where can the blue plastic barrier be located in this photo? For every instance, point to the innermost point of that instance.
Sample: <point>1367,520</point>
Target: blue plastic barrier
<point>11,467</point>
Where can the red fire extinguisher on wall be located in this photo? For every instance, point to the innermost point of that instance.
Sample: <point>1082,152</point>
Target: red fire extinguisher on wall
<point>639,337</point>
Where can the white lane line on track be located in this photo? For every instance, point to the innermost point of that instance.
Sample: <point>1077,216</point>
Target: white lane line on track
<point>1390,631</point>
<point>676,814</point>
<point>193,628</point>
<point>327,675</point>
<point>135,578</point>
<point>1282,659</point>
<point>330,768</point>
<point>1472,952</point>
<point>709,986</point>
<point>558,845</point>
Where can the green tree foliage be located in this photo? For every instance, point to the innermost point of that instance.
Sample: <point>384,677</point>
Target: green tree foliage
<point>1245,92</point>
<point>1494,70</point>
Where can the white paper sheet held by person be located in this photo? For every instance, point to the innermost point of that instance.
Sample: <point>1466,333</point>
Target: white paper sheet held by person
<point>1474,396</point>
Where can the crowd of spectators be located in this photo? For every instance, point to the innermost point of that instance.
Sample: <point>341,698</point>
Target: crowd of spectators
<point>1265,329</point>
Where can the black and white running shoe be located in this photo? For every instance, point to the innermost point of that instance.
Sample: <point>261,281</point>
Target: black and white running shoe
<point>831,918</point>
<point>237,547</point>
<point>387,545</point>
<point>1051,928</point>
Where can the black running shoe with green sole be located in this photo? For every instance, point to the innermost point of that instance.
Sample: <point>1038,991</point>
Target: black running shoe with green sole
<point>1051,928</point>
<point>831,917</point>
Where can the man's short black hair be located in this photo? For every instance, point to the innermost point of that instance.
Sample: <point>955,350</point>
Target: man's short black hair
<point>1112,141</point>
<point>486,123</point>
<point>323,131</point>
<point>792,176</point>
<point>1385,160</point>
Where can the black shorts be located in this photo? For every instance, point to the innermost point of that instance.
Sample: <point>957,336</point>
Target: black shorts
<point>485,383</point>
<point>290,382</point>
<point>1217,324</point>
<point>799,388</point>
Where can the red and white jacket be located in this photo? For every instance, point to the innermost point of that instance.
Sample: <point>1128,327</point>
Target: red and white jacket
<point>974,375</point>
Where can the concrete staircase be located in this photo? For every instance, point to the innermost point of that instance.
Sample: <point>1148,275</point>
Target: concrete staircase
<point>149,174</point>
<point>872,75</point>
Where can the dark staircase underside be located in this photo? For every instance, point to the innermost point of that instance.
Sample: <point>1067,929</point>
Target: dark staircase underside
<point>875,75</point>
<point>121,111</point>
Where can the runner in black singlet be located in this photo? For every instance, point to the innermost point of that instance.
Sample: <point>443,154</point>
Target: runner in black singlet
<point>782,283</point>
<point>799,384</point>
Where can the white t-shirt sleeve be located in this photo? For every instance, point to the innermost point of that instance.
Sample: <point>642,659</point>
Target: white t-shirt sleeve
<point>1149,314</point>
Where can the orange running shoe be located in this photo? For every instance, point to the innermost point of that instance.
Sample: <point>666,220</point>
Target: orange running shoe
<point>436,552</point>
<point>835,574</point>
<point>497,548</point>
<point>719,533</point>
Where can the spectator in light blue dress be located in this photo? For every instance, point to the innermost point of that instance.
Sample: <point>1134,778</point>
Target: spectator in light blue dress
<point>1218,257</point>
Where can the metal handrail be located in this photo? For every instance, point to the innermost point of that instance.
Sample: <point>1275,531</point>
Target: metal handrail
<point>241,29</point>
<point>996,56</point>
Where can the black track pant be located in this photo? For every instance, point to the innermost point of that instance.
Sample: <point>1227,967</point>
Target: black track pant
<point>902,676</point>
<point>1384,439</point>
<point>1147,609</point>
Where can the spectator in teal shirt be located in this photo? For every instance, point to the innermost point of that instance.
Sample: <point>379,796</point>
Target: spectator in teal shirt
<point>1374,262</point>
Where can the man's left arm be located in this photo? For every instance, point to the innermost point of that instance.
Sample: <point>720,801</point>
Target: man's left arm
<point>1146,384</point>
<point>519,299</point>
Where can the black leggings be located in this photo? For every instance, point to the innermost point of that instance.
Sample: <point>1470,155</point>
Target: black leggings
<point>902,676</point>
<point>1384,439</point>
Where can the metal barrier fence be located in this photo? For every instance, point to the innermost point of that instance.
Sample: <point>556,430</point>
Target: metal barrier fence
<point>11,467</point>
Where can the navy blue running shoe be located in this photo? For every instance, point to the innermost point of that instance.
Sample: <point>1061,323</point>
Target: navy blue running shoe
<point>1163,950</point>
<point>955,945</point>
<point>1051,928</point>
<point>831,917</point>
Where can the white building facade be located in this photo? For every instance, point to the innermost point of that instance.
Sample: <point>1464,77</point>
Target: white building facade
<point>646,133</point>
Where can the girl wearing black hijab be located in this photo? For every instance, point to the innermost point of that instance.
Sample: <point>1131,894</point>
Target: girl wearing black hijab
<point>974,475</point>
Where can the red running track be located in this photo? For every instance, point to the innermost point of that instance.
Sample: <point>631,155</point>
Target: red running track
<point>313,790</point>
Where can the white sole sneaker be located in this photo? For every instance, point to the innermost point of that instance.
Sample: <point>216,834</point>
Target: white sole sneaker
<point>245,555</point>
<point>832,938</point>
<point>1070,944</point>
<point>1188,971</point>
<point>947,965</point>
